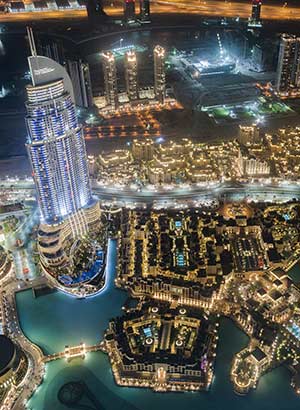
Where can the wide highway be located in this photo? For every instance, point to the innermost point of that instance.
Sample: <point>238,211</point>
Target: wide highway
<point>271,192</point>
<point>194,194</point>
<point>198,7</point>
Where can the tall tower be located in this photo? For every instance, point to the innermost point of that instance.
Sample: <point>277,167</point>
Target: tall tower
<point>159,74</point>
<point>55,145</point>
<point>255,19</point>
<point>129,10</point>
<point>145,11</point>
<point>131,75</point>
<point>288,68</point>
<point>110,79</point>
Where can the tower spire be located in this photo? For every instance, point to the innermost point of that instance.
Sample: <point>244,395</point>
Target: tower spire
<point>31,41</point>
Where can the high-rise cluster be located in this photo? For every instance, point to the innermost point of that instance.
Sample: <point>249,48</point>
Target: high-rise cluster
<point>288,68</point>
<point>131,76</point>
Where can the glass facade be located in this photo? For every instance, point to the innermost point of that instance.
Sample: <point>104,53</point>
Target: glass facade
<point>57,151</point>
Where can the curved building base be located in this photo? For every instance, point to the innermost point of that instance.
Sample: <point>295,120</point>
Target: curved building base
<point>73,252</point>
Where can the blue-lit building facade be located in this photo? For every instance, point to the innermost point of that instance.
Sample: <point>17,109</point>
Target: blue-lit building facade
<point>71,238</point>
<point>57,151</point>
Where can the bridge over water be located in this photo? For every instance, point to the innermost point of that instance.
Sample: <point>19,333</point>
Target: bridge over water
<point>72,352</point>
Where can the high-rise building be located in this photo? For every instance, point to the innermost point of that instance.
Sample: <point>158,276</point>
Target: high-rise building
<point>68,236</point>
<point>249,134</point>
<point>252,166</point>
<point>131,75</point>
<point>288,67</point>
<point>256,10</point>
<point>129,10</point>
<point>55,145</point>
<point>143,150</point>
<point>145,11</point>
<point>159,74</point>
<point>110,79</point>
<point>95,11</point>
<point>255,19</point>
<point>79,72</point>
<point>265,54</point>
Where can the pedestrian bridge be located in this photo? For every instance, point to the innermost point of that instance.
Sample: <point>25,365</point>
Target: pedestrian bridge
<point>72,352</point>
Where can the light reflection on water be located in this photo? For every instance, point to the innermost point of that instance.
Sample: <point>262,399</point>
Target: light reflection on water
<point>55,320</point>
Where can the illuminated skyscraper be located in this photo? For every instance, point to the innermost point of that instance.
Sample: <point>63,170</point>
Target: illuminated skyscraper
<point>159,74</point>
<point>110,79</point>
<point>255,19</point>
<point>288,68</point>
<point>145,11</point>
<point>129,10</point>
<point>131,75</point>
<point>55,144</point>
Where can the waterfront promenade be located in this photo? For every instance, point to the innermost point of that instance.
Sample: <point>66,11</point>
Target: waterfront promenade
<point>18,395</point>
<point>10,287</point>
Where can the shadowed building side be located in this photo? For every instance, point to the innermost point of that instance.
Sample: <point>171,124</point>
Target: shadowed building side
<point>95,11</point>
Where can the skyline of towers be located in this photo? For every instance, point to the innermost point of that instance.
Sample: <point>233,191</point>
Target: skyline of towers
<point>131,78</point>
<point>111,90</point>
<point>288,68</point>
<point>55,144</point>
<point>110,79</point>
<point>159,74</point>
